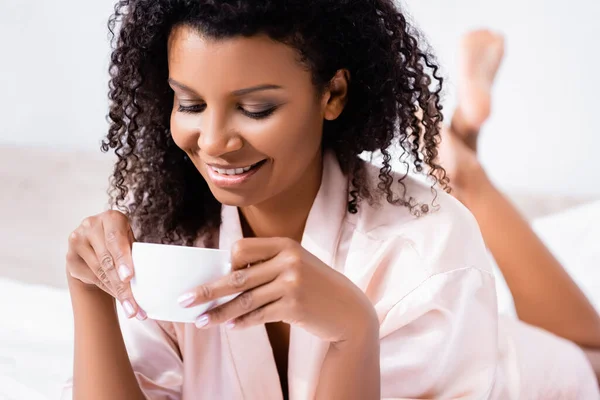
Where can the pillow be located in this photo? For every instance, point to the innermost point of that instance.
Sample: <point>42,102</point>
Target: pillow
<point>572,236</point>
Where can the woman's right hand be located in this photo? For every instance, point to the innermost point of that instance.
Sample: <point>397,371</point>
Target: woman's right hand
<point>99,258</point>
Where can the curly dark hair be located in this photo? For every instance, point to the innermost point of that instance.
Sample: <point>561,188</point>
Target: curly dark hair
<point>394,99</point>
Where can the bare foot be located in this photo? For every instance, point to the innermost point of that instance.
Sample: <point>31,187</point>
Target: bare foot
<point>480,55</point>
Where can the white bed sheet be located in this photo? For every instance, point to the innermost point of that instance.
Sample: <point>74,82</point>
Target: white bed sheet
<point>36,341</point>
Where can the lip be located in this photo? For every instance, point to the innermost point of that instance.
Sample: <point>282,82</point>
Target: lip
<point>227,181</point>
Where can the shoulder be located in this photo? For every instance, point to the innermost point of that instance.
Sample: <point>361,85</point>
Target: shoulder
<point>436,227</point>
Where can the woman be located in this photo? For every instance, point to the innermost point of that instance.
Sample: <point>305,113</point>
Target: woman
<point>239,125</point>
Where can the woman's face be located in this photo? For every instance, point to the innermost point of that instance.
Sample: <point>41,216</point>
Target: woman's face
<point>246,113</point>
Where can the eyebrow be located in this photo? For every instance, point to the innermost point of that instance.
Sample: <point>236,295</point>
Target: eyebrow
<point>239,92</point>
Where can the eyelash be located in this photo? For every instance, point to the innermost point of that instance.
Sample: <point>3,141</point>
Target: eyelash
<point>254,115</point>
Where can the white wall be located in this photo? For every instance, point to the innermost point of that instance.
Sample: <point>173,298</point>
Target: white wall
<point>53,81</point>
<point>541,136</point>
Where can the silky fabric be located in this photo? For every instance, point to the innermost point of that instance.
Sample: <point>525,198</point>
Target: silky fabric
<point>430,281</point>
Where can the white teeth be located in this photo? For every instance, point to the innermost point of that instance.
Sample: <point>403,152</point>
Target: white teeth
<point>236,171</point>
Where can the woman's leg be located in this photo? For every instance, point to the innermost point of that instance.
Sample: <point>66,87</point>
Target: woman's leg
<point>544,294</point>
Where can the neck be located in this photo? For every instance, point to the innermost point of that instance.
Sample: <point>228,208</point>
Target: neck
<point>285,215</point>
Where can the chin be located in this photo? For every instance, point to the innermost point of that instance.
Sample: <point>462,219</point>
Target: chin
<point>234,199</point>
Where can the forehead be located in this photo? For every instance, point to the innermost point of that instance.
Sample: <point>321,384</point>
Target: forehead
<point>231,63</point>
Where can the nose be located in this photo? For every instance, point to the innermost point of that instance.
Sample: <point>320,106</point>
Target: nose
<point>217,137</point>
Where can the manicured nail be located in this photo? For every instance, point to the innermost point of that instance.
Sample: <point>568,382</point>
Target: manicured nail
<point>202,321</point>
<point>141,315</point>
<point>230,325</point>
<point>128,307</point>
<point>124,272</point>
<point>186,299</point>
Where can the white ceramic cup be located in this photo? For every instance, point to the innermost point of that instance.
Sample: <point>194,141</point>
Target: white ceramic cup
<point>165,272</point>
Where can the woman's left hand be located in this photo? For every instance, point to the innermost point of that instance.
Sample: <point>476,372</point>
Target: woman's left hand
<point>281,281</point>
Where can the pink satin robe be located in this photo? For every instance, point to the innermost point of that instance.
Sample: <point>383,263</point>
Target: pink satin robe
<point>430,281</point>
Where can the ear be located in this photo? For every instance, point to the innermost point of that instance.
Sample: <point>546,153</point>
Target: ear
<point>336,95</point>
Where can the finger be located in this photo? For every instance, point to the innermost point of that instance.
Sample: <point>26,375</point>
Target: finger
<point>249,251</point>
<point>245,303</point>
<point>118,239</point>
<point>272,312</point>
<point>232,283</point>
<point>88,255</point>
<point>104,268</point>
<point>79,269</point>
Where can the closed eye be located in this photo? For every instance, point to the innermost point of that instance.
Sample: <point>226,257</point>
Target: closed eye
<point>258,114</point>
<point>198,108</point>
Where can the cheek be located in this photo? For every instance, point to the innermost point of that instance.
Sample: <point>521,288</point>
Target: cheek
<point>303,135</point>
<point>291,133</point>
<point>184,131</point>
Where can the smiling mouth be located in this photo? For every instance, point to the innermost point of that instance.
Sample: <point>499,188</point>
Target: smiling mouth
<point>236,171</point>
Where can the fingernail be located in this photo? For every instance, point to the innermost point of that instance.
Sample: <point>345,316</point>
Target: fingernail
<point>202,321</point>
<point>128,307</point>
<point>230,325</point>
<point>186,299</point>
<point>124,272</point>
<point>141,315</point>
